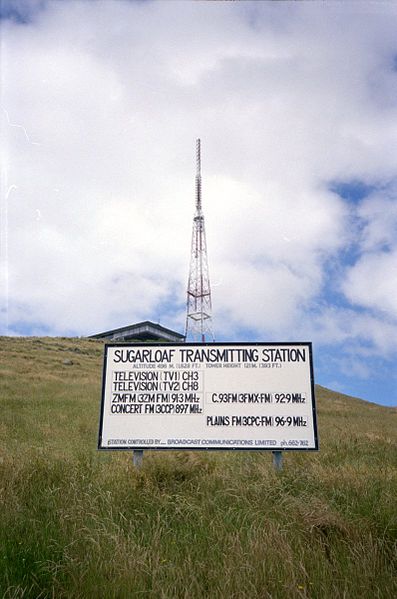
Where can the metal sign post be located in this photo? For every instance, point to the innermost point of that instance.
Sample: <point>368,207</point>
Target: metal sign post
<point>278,460</point>
<point>137,457</point>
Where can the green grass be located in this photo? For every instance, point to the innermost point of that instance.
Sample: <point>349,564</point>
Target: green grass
<point>76,523</point>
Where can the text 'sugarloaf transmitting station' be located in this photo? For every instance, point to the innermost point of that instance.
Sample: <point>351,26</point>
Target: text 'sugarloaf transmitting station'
<point>199,305</point>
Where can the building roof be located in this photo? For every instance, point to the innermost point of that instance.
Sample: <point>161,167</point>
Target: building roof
<point>141,331</point>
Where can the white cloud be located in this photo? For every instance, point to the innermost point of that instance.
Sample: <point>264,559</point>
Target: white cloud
<point>356,332</point>
<point>372,282</point>
<point>379,216</point>
<point>113,95</point>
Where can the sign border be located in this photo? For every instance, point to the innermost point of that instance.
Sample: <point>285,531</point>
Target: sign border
<point>209,344</point>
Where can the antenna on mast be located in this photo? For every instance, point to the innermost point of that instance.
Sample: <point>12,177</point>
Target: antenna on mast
<point>198,304</point>
<point>198,175</point>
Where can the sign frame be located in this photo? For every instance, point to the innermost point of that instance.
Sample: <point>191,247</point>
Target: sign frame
<point>238,344</point>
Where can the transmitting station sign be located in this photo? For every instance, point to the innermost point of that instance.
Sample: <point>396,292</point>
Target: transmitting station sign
<point>208,396</point>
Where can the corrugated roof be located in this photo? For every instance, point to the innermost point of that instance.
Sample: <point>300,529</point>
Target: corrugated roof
<point>140,330</point>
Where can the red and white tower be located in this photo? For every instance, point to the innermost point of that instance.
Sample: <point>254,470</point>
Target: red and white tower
<point>199,305</point>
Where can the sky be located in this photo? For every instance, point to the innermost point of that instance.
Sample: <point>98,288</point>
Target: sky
<point>296,108</point>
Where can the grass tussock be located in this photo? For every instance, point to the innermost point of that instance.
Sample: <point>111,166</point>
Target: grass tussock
<point>76,523</point>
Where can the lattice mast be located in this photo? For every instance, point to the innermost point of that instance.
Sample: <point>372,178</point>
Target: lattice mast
<point>199,305</point>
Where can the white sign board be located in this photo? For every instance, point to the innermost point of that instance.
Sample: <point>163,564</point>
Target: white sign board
<point>208,396</point>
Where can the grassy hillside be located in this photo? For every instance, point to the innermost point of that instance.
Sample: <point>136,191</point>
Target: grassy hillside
<point>78,523</point>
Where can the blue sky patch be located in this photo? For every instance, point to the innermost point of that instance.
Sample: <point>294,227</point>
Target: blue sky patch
<point>21,12</point>
<point>352,191</point>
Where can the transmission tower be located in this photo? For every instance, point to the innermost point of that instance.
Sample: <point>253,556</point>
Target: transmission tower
<point>198,305</point>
